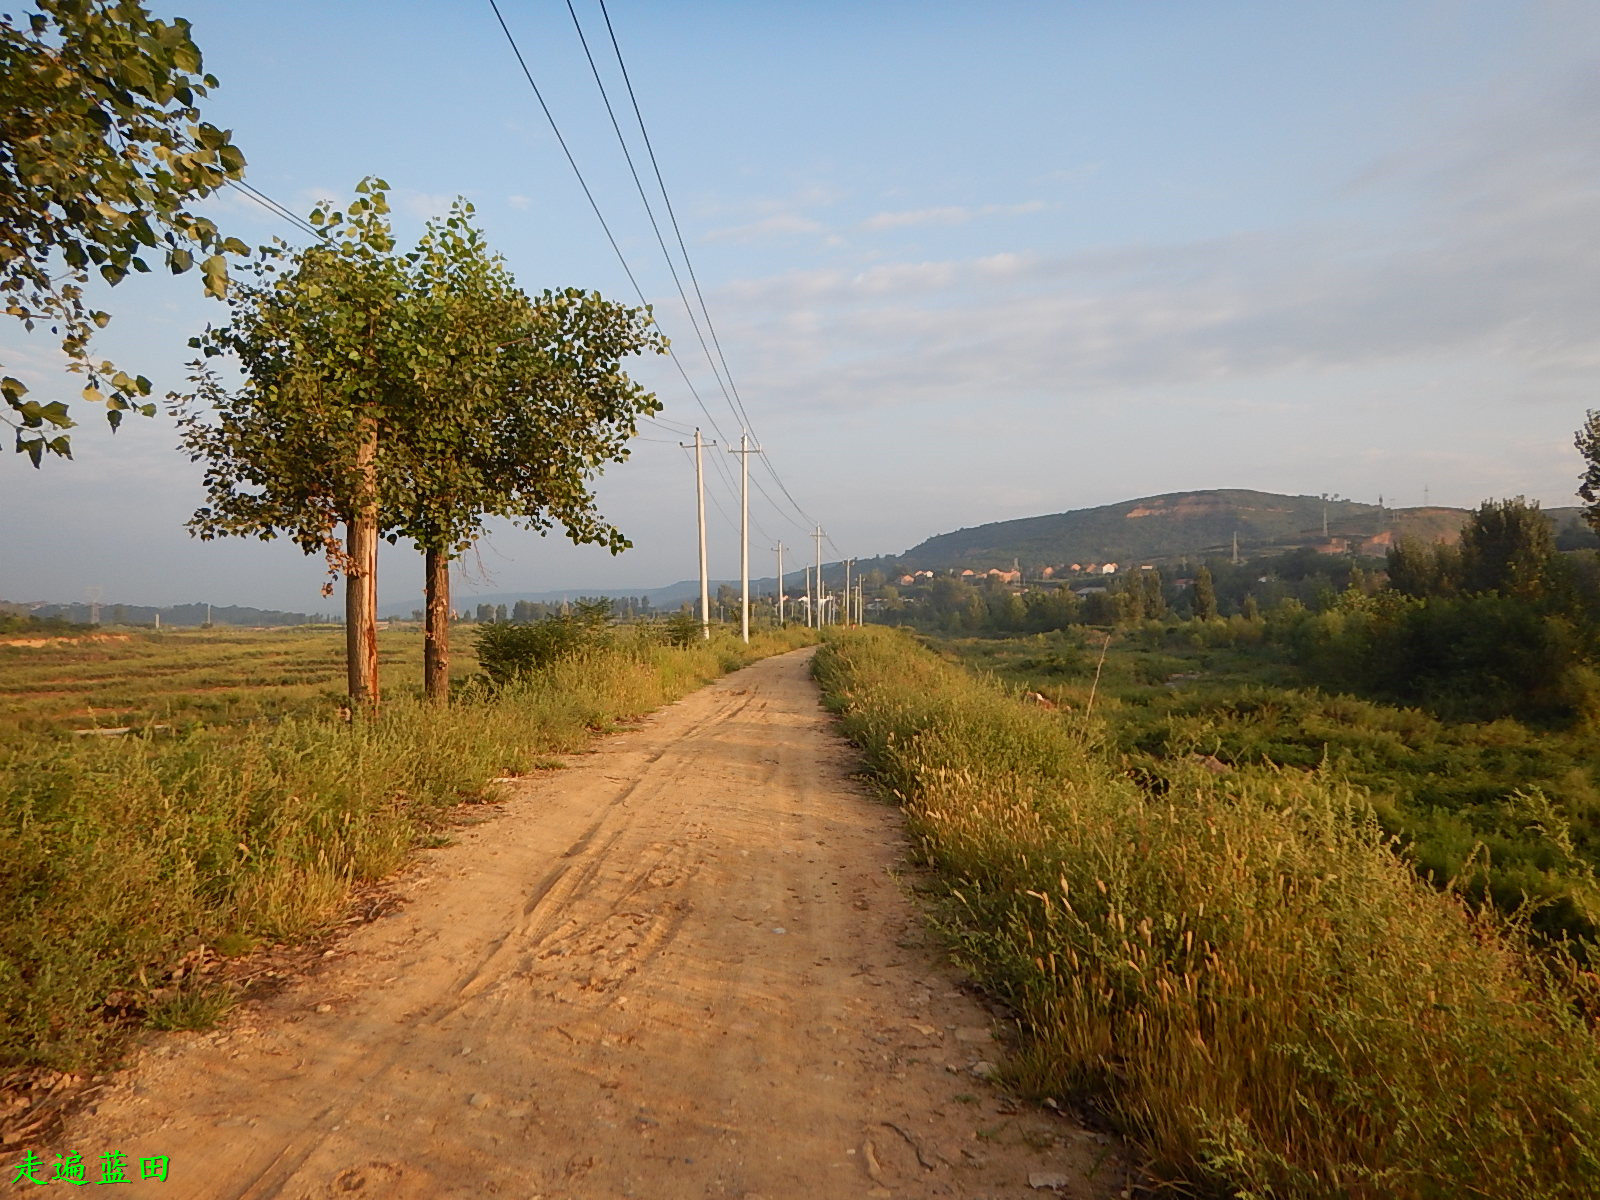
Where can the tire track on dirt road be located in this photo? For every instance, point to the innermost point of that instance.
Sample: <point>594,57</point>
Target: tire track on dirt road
<point>679,968</point>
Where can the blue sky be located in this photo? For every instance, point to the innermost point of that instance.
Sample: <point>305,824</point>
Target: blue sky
<point>967,262</point>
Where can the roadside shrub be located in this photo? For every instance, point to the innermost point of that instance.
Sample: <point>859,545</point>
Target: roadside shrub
<point>507,652</point>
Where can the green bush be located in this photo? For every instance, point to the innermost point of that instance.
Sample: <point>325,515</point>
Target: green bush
<point>508,652</point>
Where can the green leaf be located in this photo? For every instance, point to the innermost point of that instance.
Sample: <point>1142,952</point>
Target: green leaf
<point>180,261</point>
<point>215,270</point>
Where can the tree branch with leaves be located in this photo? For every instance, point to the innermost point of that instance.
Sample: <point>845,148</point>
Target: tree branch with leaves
<point>103,153</point>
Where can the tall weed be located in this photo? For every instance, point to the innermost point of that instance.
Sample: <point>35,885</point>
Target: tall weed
<point>1240,972</point>
<point>119,856</point>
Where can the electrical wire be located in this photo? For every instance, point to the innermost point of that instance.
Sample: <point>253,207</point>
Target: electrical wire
<point>736,399</point>
<point>593,203</point>
<point>277,209</point>
<point>666,197</point>
<point>730,393</point>
<point>649,211</point>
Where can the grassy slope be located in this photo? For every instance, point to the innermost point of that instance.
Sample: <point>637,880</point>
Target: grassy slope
<point>120,856</point>
<point>1255,986</point>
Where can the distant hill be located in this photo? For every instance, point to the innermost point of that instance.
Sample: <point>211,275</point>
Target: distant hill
<point>1196,525</point>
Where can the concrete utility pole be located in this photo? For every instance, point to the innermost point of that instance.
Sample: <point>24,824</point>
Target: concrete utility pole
<point>700,505</point>
<point>779,549</point>
<point>744,452</point>
<point>817,537</point>
<point>846,593</point>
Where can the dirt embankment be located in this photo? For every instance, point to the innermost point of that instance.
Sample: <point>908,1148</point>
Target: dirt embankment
<point>682,967</point>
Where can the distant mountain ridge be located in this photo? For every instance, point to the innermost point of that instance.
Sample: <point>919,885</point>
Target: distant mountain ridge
<point>1195,524</point>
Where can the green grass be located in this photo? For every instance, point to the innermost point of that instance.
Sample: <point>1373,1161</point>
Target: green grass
<point>119,857</point>
<point>1239,972</point>
<point>1507,810</point>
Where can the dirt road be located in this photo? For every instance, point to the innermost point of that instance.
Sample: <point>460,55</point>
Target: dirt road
<point>682,967</point>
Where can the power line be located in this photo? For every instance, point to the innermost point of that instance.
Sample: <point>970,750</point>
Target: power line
<point>277,209</point>
<point>649,211</point>
<point>593,204</point>
<point>671,213</point>
<point>735,403</point>
<point>736,399</point>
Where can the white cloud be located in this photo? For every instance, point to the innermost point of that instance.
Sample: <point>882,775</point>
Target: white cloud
<point>422,205</point>
<point>777,225</point>
<point>518,202</point>
<point>948,215</point>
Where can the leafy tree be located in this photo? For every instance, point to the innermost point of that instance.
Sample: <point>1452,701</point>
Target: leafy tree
<point>102,155</point>
<point>1588,443</point>
<point>322,338</point>
<point>1506,547</point>
<point>520,404</point>
<point>1049,609</point>
<point>1205,595</point>
<point>1418,569</point>
<point>412,396</point>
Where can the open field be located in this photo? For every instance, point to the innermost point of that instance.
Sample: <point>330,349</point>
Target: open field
<point>194,676</point>
<point>1235,969</point>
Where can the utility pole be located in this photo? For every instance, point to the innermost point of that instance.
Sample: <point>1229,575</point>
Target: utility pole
<point>744,452</point>
<point>700,505</point>
<point>779,549</point>
<point>817,537</point>
<point>847,563</point>
<point>810,607</point>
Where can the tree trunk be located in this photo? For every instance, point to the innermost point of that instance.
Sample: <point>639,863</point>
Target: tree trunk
<point>361,578</point>
<point>436,626</point>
